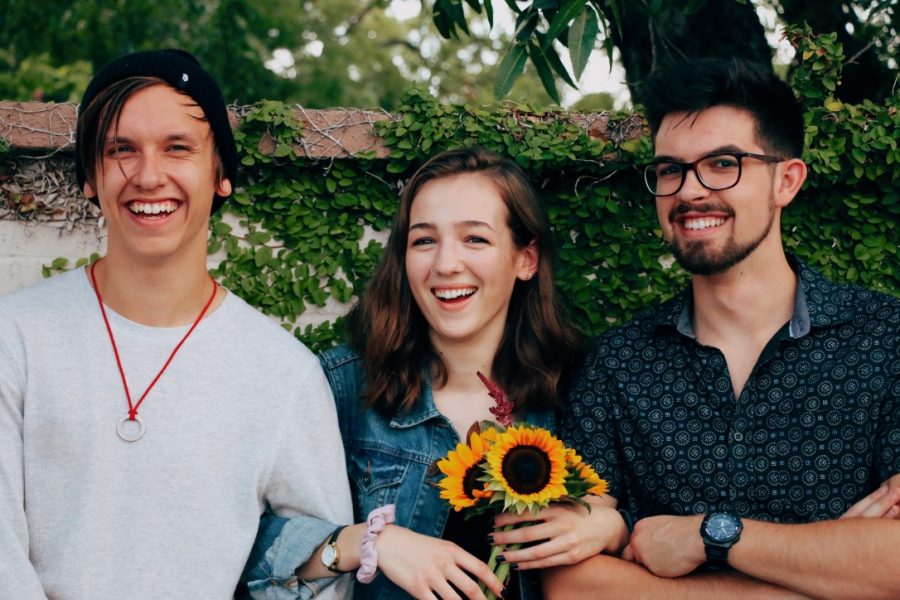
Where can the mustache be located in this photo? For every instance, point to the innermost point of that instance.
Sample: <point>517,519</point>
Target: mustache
<point>709,207</point>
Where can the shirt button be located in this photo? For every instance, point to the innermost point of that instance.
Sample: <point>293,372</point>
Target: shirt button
<point>738,436</point>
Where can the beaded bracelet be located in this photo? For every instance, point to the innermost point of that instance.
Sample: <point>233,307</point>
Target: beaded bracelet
<point>368,555</point>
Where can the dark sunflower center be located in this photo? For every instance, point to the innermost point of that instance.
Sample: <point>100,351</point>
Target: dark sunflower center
<point>526,469</point>
<point>470,481</point>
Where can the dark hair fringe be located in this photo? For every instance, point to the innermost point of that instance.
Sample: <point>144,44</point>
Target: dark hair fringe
<point>539,346</point>
<point>691,86</point>
<point>102,115</point>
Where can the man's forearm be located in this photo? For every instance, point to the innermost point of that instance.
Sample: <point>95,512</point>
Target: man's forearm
<point>849,558</point>
<point>609,577</point>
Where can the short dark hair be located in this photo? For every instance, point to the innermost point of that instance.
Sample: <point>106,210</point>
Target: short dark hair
<point>691,86</point>
<point>539,345</point>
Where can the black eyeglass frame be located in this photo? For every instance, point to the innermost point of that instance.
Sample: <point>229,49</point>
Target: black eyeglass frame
<point>692,166</point>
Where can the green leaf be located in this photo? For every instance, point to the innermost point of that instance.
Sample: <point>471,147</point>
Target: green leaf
<point>511,68</point>
<point>566,13</point>
<point>555,63</point>
<point>545,72</point>
<point>582,35</point>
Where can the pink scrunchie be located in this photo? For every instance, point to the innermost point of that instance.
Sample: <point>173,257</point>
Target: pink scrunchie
<point>368,555</point>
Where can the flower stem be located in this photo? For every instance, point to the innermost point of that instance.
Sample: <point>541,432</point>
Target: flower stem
<point>500,570</point>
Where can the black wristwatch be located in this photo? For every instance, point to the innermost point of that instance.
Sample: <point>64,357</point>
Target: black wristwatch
<point>720,531</point>
<point>330,553</point>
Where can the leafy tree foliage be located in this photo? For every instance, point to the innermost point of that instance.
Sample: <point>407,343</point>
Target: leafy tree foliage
<point>320,54</point>
<point>649,32</point>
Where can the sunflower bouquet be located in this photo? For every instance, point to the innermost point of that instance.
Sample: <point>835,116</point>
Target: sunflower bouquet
<point>513,469</point>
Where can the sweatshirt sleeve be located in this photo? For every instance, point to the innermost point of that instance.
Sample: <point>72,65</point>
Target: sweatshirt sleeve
<point>309,487</point>
<point>18,578</point>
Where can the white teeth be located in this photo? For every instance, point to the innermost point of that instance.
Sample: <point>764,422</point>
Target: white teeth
<point>152,208</point>
<point>451,294</point>
<point>702,223</point>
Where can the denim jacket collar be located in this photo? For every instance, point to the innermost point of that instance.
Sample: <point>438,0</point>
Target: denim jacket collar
<point>422,410</point>
<point>425,409</point>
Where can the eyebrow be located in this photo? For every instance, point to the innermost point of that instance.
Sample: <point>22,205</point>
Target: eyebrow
<point>727,149</point>
<point>174,137</point>
<point>460,225</point>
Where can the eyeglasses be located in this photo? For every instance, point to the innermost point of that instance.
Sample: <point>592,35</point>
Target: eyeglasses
<point>715,172</point>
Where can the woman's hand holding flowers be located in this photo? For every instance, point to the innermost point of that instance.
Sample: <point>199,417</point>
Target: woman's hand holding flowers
<point>564,533</point>
<point>425,567</point>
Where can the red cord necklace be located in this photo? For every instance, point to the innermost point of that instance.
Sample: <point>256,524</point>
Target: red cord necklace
<point>133,408</point>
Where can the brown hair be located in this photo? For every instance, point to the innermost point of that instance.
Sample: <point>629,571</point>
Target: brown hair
<point>387,328</point>
<point>103,113</point>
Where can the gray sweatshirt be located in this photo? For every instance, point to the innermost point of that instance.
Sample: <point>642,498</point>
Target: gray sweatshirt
<point>241,419</point>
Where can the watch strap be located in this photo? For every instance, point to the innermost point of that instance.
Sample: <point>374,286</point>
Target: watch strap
<point>717,556</point>
<point>332,541</point>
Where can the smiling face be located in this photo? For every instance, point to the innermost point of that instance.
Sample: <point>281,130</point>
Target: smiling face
<point>157,178</point>
<point>461,261</point>
<point>711,231</point>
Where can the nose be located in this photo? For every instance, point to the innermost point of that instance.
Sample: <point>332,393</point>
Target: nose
<point>149,172</point>
<point>447,260</point>
<point>692,189</point>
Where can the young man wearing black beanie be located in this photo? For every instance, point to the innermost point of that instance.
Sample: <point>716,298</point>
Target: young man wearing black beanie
<point>147,415</point>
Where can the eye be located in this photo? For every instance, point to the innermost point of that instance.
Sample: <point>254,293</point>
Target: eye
<point>722,162</point>
<point>117,150</point>
<point>474,239</point>
<point>179,148</point>
<point>668,170</point>
<point>422,241</point>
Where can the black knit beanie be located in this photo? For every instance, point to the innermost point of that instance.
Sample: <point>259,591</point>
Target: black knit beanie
<point>184,73</point>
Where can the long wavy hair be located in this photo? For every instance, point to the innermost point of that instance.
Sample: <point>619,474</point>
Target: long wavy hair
<point>539,343</point>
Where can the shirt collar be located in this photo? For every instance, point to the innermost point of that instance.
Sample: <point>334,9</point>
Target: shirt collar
<point>422,410</point>
<point>810,306</point>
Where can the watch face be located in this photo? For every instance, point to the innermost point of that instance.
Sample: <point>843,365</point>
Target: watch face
<point>328,555</point>
<point>722,527</point>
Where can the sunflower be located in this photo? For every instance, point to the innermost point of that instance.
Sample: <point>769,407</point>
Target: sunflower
<point>462,468</point>
<point>584,471</point>
<point>528,465</point>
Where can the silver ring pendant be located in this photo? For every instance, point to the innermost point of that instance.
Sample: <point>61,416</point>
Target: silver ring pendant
<point>132,433</point>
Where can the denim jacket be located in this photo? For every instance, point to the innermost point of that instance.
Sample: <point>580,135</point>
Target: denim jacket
<point>388,462</point>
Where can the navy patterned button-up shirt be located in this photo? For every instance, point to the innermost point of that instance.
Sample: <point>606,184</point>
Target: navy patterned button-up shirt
<point>816,427</point>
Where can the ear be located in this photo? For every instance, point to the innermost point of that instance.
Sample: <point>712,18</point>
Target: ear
<point>223,188</point>
<point>89,191</point>
<point>527,261</point>
<point>790,176</point>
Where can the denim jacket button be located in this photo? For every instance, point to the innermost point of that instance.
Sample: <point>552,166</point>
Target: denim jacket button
<point>367,479</point>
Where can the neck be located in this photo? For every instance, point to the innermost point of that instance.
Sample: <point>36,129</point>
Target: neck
<point>167,295</point>
<point>463,360</point>
<point>755,295</point>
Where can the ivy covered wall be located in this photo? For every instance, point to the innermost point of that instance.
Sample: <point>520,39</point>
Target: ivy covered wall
<point>303,222</point>
<point>303,233</point>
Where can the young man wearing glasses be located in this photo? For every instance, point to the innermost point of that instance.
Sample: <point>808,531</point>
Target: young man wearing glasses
<point>739,422</point>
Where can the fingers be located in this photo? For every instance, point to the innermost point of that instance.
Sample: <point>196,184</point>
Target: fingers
<point>444,591</point>
<point>504,519</point>
<point>628,554</point>
<point>552,553</point>
<point>525,535</point>
<point>465,584</point>
<point>876,505</point>
<point>893,512</point>
<point>480,570</point>
<point>863,505</point>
